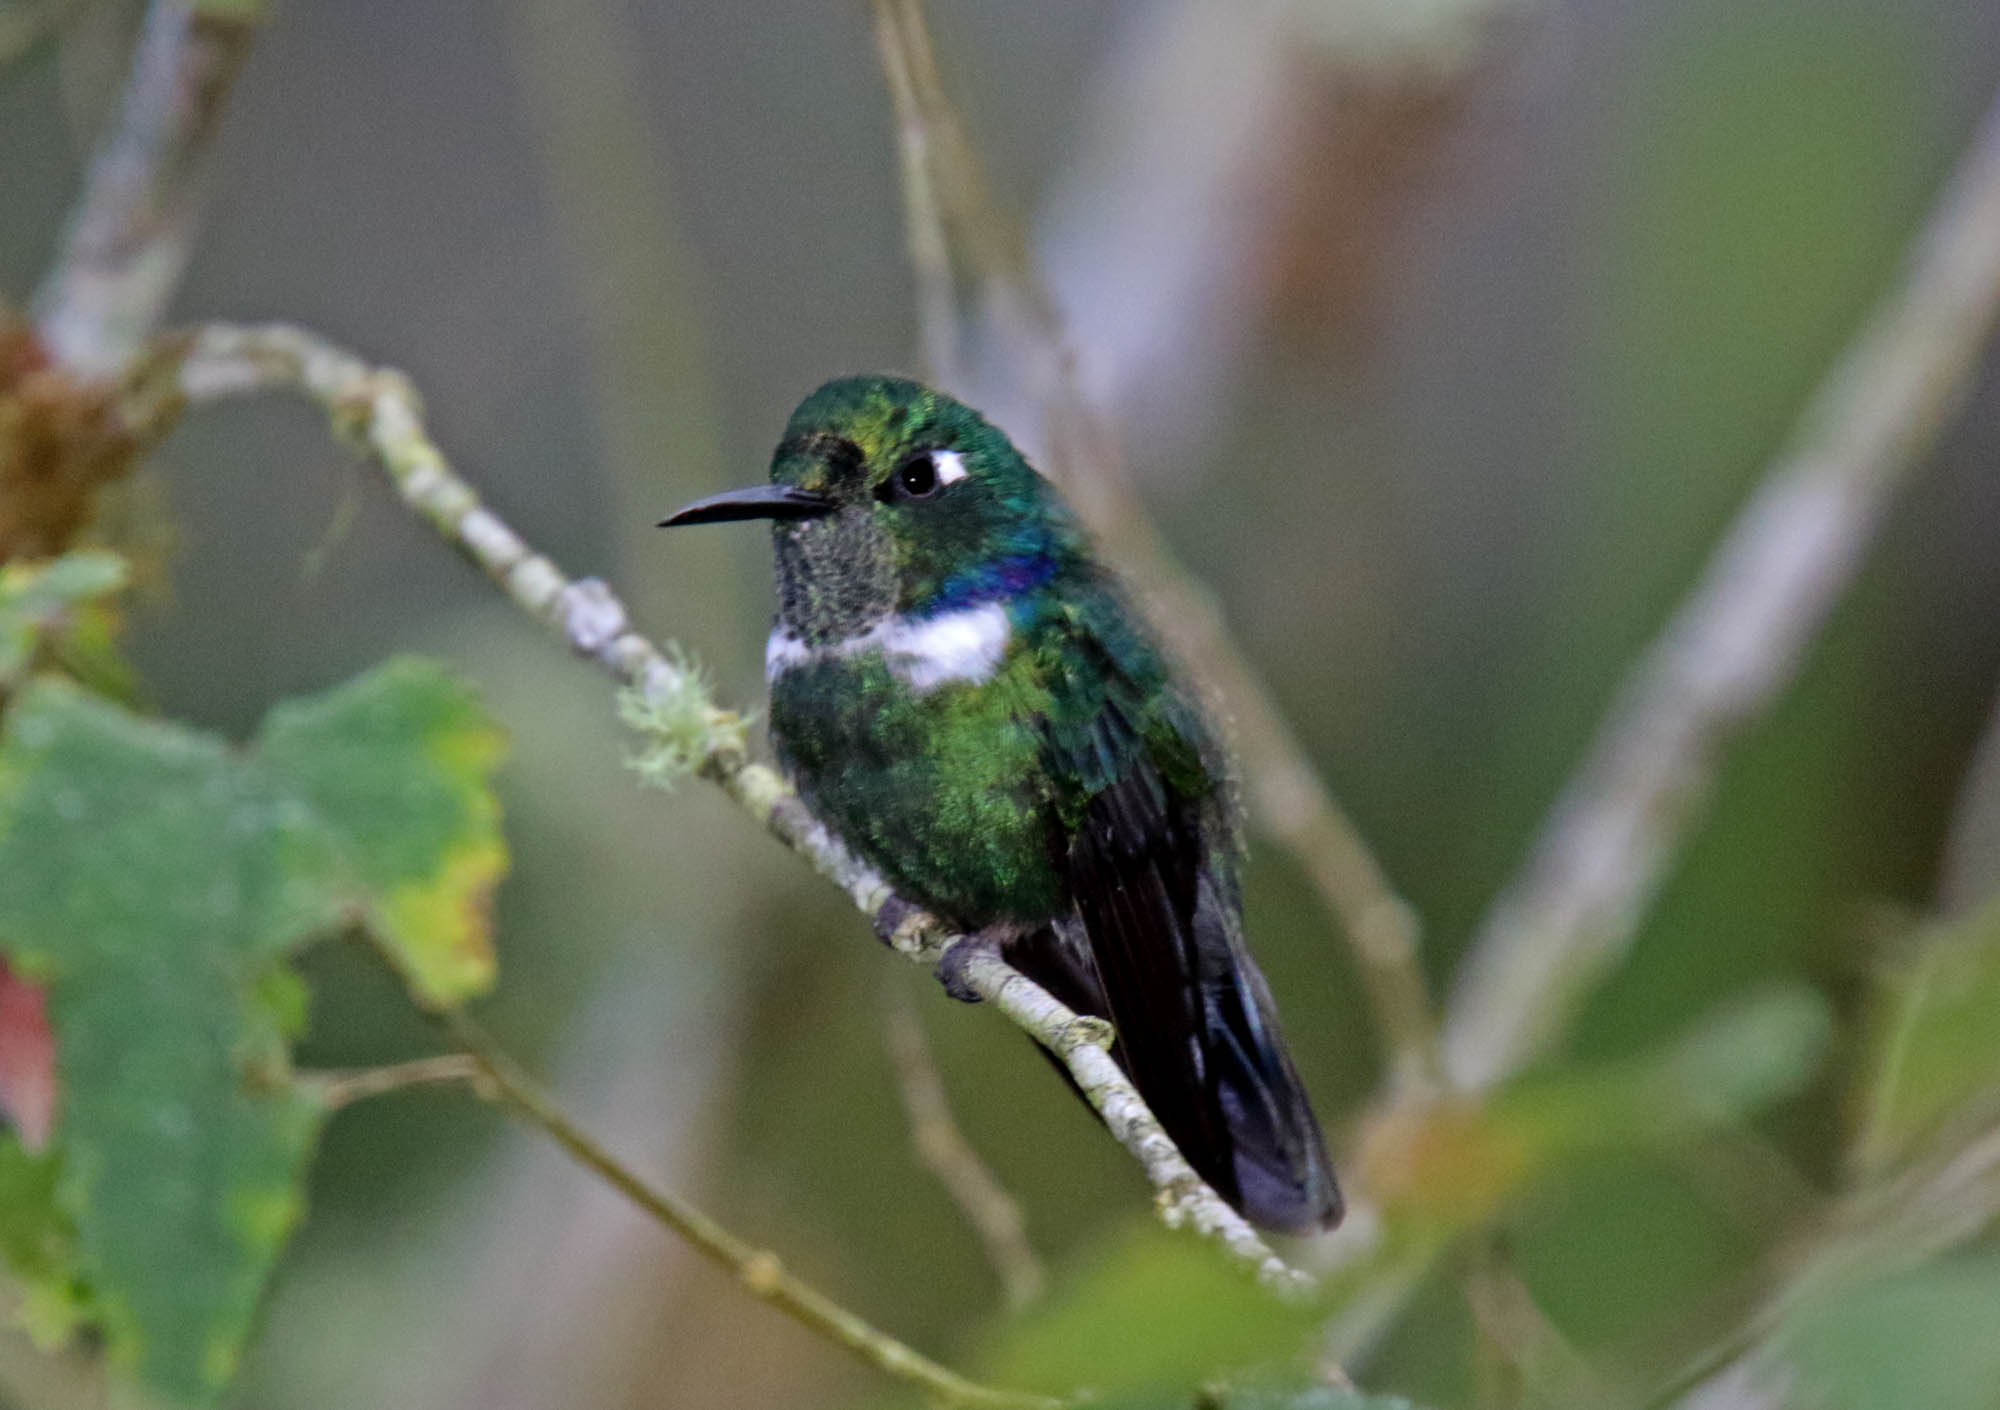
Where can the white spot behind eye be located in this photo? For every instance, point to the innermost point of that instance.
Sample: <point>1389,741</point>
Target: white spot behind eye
<point>950,466</point>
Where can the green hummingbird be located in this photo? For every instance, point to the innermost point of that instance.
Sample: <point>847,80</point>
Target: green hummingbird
<point>963,694</point>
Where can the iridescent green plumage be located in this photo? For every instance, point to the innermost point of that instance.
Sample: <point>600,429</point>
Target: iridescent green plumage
<point>963,694</point>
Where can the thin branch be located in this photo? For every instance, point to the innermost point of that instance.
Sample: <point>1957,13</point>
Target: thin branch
<point>375,411</point>
<point>1520,1357</point>
<point>1737,640</point>
<point>128,240</point>
<point>757,1269</point>
<point>494,1076</point>
<point>993,1213</point>
<point>930,252</point>
<point>1287,797</point>
<point>338,1089</point>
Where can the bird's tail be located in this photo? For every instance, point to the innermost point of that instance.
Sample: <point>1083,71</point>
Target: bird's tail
<point>1226,1092</point>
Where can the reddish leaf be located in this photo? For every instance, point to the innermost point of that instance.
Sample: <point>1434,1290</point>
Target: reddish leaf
<point>27,1060</point>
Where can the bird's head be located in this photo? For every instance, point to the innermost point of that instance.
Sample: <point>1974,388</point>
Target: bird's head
<point>889,498</point>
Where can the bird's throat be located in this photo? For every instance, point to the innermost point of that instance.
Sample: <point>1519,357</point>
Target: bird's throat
<point>966,645</point>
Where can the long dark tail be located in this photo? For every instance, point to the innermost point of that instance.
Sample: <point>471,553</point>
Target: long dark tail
<point>1212,1066</point>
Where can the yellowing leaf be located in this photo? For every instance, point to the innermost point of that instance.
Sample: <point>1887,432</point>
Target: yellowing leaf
<point>397,762</point>
<point>154,880</point>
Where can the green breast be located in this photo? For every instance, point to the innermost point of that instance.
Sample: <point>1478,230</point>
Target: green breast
<point>944,792</point>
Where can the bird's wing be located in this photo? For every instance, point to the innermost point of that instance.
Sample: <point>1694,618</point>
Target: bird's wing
<point>1150,864</point>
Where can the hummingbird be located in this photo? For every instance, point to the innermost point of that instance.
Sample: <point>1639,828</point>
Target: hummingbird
<point>966,697</point>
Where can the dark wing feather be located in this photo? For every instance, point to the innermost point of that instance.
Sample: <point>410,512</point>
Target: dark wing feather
<point>1134,871</point>
<point>1149,862</point>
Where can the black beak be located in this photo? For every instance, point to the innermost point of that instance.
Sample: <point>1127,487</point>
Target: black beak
<point>757,502</point>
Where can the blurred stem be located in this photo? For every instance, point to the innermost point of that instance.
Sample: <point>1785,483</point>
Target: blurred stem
<point>946,198</point>
<point>485,1067</point>
<point>128,239</point>
<point>636,276</point>
<point>930,252</point>
<point>339,1089</point>
<point>993,1213</point>
<point>757,1269</point>
<point>1737,640</point>
<point>375,411</point>
<point>1519,1357</point>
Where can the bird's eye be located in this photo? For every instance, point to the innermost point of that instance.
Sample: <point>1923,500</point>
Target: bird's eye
<point>919,475</point>
<point>923,475</point>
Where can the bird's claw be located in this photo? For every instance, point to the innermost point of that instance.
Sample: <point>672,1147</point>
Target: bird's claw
<point>951,965</point>
<point>891,917</point>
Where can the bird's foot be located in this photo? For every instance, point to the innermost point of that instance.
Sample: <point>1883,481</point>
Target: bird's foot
<point>894,914</point>
<point>952,964</point>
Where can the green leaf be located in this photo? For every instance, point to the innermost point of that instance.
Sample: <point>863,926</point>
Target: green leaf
<point>397,763</point>
<point>1933,1046</point>
<point>1928,1337</point>
<point>1153,1313</point>
<point>1218,1395</point>
<point>35,599</point>
<point>1455,1163</point>
<point>1741,1058</point>
<point>154,880</point>
<point>35,1238</point>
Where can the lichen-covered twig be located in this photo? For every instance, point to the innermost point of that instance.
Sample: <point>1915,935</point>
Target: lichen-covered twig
<point>945,194</point>
<point>375,410</point>
<point>128,239</point>
<point>993,1213</point>
<point>1736,641</point>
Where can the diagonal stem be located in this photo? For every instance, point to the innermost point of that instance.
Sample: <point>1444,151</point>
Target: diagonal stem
<point>759,1270</point>
<point>484,1066</point>
<point>1738,639</point>
<point>994,1214</point>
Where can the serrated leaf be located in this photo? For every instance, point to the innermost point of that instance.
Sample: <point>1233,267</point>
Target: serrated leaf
<point>154,880</point>
<point>397,761</point>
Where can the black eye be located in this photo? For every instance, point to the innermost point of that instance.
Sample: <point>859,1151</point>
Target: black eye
<point>918,476</point>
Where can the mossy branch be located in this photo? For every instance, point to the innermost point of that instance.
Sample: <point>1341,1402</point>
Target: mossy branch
<point>376,411</point>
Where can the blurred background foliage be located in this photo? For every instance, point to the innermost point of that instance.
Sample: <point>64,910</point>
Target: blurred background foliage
<point>1444,340</point>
